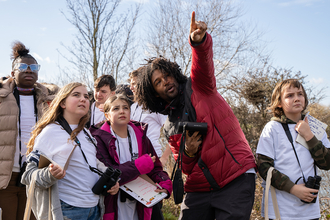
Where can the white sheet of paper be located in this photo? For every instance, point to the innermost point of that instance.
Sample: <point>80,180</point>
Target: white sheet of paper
<point>317,127</point>
<point>142,188</point>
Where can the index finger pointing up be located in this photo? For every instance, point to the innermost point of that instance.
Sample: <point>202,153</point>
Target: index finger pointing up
<point>192,18</point>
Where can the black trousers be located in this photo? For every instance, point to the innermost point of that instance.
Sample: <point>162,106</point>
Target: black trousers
<point>234,201</point>
<point>157,213</point>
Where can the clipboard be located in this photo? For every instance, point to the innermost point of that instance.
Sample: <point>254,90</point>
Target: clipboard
<point>44,161</point>
<point>143,190</point>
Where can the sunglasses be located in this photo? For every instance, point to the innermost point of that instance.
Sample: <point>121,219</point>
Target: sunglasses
<point>22,67</point>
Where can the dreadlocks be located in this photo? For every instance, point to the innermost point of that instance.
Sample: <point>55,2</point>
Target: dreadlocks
<point>146,96</point>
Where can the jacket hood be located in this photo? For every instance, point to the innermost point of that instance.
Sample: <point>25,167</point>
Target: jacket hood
<point>95,129</point>
<point>7,86</point>
<point>284,120</point>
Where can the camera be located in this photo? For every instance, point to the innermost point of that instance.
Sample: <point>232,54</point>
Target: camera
<point>108,179</point>
<point>201,127</point>
<point>313,182</point>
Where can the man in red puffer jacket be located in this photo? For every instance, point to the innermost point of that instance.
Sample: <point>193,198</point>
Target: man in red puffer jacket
<point>220,165</point>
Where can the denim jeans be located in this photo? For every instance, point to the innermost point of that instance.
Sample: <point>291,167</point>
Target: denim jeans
<point>77,213</point>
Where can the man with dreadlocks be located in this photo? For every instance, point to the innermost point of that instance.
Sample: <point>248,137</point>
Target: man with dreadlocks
<point>22,103</point>
<point>220,165</point>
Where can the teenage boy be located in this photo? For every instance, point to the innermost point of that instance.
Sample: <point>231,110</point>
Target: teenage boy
<point>104,87</point>
<point>220,166</point>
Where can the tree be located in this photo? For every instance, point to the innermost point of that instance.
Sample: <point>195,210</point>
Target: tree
<point>104,42</point>
<point>168,33</point>
<point>249,94</point>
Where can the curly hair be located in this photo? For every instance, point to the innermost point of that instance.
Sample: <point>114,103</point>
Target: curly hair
<point>277,92</point>
<point>134,73</point>
<point>146,95</point>
<point>19,51</point>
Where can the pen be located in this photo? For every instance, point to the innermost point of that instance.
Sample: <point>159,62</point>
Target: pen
<point>159,186</point>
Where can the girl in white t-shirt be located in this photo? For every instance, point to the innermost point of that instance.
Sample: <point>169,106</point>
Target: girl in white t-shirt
<point>71,190</point>
<point>293,163</point>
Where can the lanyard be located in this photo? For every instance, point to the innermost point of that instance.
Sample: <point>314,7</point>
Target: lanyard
<point>61,120</point>
<point>288,134</point>
<point>135,112</point>
<point>16,95</point>
<point>129,143</point>
<point>93,116</point>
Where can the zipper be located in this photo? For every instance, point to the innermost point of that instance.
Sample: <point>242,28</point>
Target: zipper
<point>226,147</point>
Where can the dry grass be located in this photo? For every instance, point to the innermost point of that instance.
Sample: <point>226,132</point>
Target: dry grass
<point>172,211</point>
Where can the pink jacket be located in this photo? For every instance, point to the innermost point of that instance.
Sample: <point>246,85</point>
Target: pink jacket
<point>131,169</point>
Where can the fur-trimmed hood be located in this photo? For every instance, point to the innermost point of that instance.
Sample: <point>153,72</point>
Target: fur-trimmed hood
<point>7,86</point>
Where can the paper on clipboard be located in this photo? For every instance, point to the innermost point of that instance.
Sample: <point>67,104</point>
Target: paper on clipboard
<point>317,127</point>
<point>143,190</point>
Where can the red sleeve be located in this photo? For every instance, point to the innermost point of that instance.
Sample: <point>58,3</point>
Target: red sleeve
<point>202,66</point>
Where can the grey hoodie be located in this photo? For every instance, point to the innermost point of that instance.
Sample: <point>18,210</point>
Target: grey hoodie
<point>47,185</point>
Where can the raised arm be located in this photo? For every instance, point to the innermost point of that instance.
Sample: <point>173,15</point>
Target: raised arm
<point>202,66</point>
<point>197,30</point>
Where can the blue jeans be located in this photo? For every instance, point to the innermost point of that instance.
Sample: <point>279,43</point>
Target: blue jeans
<point>77,213</point>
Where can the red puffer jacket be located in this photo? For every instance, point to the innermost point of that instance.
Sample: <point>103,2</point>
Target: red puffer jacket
<point>224,150</point>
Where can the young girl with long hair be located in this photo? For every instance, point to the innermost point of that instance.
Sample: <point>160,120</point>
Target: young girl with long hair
<point>124,145</point>
<point>71,190</point>
<point>293,163</point>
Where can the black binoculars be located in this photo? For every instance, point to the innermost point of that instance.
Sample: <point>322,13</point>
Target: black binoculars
<point>313,182</point>
<point>108,179</point>
<point>201,127</point>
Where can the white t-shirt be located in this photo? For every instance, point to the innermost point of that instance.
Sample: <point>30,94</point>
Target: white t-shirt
<point>96,115</point>
<point>126,210</point>
<point>28,120</point>
<point>155,122</point>
<point>76,187</point>
<point>275,144</point>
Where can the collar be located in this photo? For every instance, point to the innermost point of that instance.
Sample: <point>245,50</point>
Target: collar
<point>284,120</point>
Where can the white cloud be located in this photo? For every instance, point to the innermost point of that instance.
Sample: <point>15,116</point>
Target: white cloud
<point>37,56</point>
<point>47,59</point>
<point>299,2</point>
<point>43,28</point>
<point>317,81</point>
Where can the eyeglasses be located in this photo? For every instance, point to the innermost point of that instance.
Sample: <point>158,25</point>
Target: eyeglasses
<point>22,67</point>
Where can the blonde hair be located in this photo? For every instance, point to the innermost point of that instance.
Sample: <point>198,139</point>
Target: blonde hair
<point>277,92</point>
<point>54,112</point>
<point>108,104</point>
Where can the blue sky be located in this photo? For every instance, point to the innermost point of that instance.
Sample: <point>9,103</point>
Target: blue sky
<point>297,31</point>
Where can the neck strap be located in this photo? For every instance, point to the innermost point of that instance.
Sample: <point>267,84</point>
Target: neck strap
<point>288,134</point>
<point>129,143</point>
<point>61,120</point>
<point>16,95</point>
